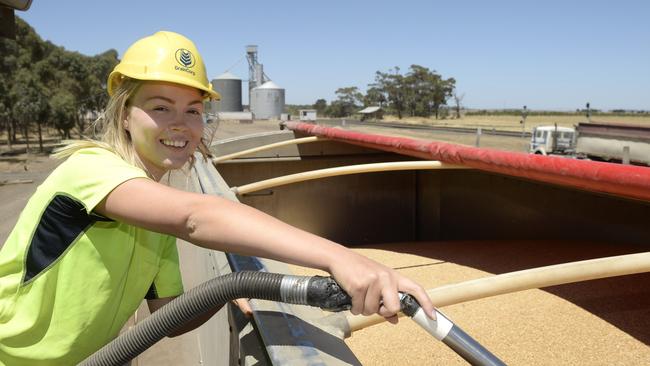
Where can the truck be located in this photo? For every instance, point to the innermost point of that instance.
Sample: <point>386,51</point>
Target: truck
<point>552,140</point>
<point>307,115</point>
<point>600,141</point>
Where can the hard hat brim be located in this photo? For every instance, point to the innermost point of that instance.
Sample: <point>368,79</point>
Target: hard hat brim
<point>116,77</point>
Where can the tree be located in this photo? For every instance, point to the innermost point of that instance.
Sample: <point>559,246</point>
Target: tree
<point>336,109</point>
<point>63,112</point>
<point>421,92</point>
<point>458,99</point>
<point>374,97</point>
<point>41,82</point>
<point>30,104</point>
<point>391,84</point>
<point>5,115</point>
<point>350,95</point>
<point>427,91</point>
<point>94,86</point>
<point>8,50</point>
<point>442,92</point>
<point>348,100</point>
<point>320,106</point>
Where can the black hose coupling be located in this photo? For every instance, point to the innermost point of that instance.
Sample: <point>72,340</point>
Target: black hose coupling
<point>326,294</point>
<point>318,291</point>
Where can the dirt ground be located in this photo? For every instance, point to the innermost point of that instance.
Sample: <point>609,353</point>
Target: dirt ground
<point>20,174</point>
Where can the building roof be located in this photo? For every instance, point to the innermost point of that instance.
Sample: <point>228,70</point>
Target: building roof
<point>369,110</point>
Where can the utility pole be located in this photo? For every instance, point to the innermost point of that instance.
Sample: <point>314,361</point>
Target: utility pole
<point>524,115</point>
<point>588,113</point>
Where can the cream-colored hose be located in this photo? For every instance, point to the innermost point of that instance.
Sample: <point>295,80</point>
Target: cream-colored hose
<point>524,280</point>
<point>304,140</point>
<point>343,170</point>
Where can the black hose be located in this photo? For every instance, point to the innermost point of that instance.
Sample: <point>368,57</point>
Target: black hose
<point>322,292</point>
<point>317,291</point>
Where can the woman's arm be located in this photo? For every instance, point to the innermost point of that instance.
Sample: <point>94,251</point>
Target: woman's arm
<point>217,223</point>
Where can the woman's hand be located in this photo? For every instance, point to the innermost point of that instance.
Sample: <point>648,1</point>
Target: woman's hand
<point>374,287</point>
<point>244,306</point>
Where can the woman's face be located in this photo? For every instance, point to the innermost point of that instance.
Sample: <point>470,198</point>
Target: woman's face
<point>166,124</point>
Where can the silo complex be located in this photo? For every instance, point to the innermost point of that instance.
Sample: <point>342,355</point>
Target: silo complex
<point>229,86</point>
<point>267,101</point>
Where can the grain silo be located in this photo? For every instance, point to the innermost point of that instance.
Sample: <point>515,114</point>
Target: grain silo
<point>267,101</point>
<point>229,86</point>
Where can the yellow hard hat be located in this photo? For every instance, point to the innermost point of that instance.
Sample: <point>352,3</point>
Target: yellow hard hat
<point>164,56</point>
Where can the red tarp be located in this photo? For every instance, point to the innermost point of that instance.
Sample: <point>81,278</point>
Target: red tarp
<point>621,180</point>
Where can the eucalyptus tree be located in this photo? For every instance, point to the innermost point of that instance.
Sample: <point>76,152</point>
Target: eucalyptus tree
<point>320,106</point>
<point>374,97</point>
<point>44,83</point>
<point>421,92</point>
<point>348,100</point>
<point>29,104</point>
<point>392,85</point>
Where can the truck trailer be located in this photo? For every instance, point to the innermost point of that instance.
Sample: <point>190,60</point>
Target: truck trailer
<point>613,142</point>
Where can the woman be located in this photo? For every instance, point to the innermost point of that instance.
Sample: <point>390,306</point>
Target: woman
<point>98,236</point>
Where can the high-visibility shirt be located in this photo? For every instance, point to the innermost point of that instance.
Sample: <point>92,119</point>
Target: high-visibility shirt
<point>70,278</point>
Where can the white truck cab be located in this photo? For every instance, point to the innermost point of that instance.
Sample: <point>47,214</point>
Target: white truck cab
<point>546,140</point>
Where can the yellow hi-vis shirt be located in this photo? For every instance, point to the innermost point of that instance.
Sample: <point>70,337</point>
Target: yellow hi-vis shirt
<point>69,279</point>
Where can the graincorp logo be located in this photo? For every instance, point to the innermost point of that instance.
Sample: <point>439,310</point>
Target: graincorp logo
<point>186,59</point>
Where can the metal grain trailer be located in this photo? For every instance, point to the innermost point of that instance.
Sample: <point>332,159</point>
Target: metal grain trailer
<point>515,218</point>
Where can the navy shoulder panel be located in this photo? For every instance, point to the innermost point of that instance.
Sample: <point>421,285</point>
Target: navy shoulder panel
<point>63,220</point>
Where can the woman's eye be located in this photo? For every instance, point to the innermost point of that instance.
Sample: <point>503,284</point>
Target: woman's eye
<point>161,108</point>
<point>194,111</point>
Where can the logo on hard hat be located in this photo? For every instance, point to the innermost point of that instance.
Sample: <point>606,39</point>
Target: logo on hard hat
<point>184,57</point>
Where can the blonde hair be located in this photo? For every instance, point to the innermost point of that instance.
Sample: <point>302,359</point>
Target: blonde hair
<point>112,134</point>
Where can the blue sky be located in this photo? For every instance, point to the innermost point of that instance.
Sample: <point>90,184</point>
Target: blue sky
<point>503,54</point>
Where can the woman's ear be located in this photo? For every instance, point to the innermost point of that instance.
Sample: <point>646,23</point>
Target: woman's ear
<point>125,124</point>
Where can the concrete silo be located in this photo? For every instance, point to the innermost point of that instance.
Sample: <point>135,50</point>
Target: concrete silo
<point>267,101</point>
<point>229,86</point>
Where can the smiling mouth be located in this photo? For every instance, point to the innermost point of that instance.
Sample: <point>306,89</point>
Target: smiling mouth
<point>175,143</point>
